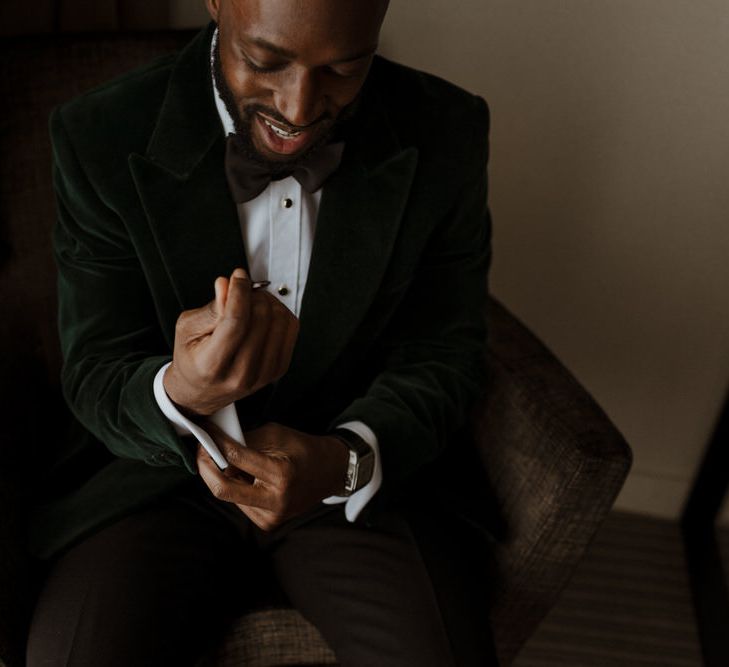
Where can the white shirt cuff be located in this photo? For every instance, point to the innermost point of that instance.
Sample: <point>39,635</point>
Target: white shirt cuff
<point>359,499</point>
<point>226,419</point>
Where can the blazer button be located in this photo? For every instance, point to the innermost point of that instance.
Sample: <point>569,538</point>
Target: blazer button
<point>283,290</point>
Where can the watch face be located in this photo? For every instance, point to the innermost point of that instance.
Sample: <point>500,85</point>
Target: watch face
<point>350,479</point>
<point>364,467</point>
<point>361,461</point>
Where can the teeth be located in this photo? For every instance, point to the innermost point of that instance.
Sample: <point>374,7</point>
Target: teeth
<point>281,133</point>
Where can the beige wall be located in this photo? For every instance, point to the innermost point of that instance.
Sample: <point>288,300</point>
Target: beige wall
<point>610,196</point>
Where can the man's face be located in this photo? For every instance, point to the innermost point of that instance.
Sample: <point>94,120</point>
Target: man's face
<point>289,69</point>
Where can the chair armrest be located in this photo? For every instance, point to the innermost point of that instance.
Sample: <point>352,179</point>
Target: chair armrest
<point>555,463</point>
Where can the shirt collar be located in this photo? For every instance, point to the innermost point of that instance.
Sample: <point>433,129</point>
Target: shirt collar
<point>225,119</point>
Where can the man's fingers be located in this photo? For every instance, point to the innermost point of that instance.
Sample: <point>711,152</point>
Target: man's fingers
<point>235,320</point>
<point>266,354</point>
<point>196,323</point>
<point>221,295</point>
<point>250,363</point>
<point>241,341</point>
<point>264,519</point>
<point>240,289</point>
<point>255,463</point>
<point>231,489</point>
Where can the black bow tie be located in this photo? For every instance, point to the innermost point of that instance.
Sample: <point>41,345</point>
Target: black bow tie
<point>247,179</point>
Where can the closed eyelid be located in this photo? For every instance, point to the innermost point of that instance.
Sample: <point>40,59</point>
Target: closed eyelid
<point>246,51</point>
<point>256,65</point>
<point>245,44</point>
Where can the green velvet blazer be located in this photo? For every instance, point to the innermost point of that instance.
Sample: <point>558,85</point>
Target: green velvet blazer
<point>392,321</point>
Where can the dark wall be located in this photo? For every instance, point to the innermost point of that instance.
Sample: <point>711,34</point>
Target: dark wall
<point>21,17</point>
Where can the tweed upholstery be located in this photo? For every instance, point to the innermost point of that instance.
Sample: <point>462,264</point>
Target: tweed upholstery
<point>268,638</point>
<point>554,461</point>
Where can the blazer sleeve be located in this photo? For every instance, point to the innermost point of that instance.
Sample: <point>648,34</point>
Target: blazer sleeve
<point>111,339</point>
<point>433,354</point>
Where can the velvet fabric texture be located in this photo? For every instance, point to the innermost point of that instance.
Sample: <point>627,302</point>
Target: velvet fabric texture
<point>393,320</point>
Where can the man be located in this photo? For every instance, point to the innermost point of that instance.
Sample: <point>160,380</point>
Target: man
<point>272,257</point>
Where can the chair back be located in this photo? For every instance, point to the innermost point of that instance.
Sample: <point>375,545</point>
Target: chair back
<point>36,74</point>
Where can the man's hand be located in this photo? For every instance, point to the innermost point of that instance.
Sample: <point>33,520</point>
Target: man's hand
<point>280,474</point>
<point>230,348</point>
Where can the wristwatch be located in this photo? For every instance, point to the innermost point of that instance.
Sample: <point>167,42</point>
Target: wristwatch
<point>361,463</point>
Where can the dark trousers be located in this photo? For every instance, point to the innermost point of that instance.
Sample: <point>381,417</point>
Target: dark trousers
<point>161,586</point>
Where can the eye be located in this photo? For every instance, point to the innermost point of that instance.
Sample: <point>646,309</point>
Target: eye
<point>262,69</point>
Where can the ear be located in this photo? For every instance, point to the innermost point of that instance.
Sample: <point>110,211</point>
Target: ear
<point>213,8</point>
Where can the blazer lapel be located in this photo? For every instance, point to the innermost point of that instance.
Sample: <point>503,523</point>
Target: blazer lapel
<point>181,183</point>
<point>359,218</point>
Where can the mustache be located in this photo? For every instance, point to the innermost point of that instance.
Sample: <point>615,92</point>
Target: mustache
<point>251,109</point>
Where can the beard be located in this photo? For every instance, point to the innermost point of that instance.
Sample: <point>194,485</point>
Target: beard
<point>333,128</point>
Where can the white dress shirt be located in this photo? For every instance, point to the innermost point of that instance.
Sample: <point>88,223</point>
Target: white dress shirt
<point>278,229</point>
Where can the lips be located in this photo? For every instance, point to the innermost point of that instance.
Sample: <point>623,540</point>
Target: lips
<point>279,140</point>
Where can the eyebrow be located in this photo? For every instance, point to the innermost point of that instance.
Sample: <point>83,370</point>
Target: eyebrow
<point>290,55</point>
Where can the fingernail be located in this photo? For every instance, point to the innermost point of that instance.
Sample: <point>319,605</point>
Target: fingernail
<point>239,273</point>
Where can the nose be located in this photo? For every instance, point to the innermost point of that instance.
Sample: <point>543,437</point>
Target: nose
<point>299,98</point>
